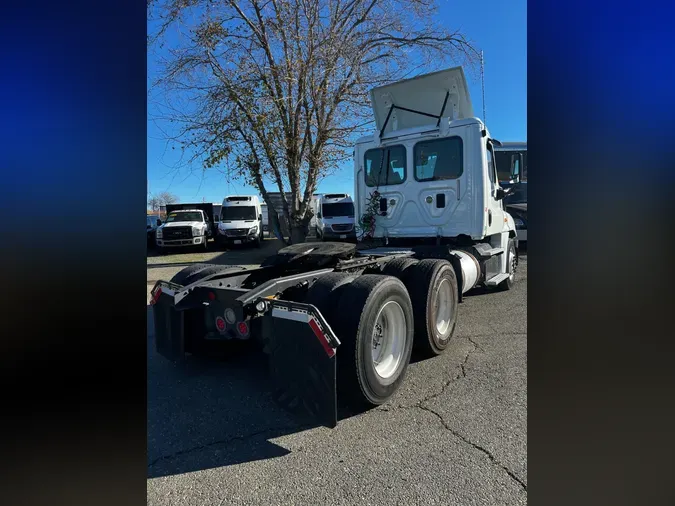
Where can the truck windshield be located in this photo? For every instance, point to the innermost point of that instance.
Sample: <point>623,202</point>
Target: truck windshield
<point>184,216</point>
<point>237,213</point>
<point>338,209</point>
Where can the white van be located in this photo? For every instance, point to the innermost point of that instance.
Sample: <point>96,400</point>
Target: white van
<point>335,217</point>
<point>241,221</point>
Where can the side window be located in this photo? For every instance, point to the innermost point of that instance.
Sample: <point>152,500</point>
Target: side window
<point>439,159</point>
<point>491,164</point>
<point>385,166</point>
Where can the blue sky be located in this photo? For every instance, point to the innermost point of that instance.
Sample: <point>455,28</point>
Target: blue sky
<point>499,28</point>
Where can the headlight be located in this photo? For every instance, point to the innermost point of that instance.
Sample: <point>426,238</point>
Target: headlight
<point>222,231</point>
<point>519,222</point>
<point>158,233</point>
<point>253,230</point>
<point>196,231</point>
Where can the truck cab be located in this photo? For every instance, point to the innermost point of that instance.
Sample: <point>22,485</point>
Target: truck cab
<point>241,221</point>
<point>184,227</point>
<point>430,168</point>
<point>335,217</point>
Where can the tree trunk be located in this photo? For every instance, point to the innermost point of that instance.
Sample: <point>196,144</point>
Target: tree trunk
<point>298,233</point>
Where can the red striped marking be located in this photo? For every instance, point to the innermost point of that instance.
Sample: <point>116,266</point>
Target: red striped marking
<point>155,296</point>
<point>321,337</point>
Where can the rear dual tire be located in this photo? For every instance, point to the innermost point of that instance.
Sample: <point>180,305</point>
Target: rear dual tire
<point>195,272</point>
<point>432,285</point>
<point>372,317</point>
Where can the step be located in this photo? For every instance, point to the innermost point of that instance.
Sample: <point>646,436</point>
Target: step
<point>497,279</point>
<point>485,251</point>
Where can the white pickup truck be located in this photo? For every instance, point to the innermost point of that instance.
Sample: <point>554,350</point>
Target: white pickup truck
<point>184,227</point>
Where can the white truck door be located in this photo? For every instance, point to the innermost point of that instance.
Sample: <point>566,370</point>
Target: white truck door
<point>495,214</point>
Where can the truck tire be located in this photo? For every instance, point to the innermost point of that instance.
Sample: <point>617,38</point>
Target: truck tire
<point>432,285</point>
<point>374,322</point>
<point>312,254</point>
<point>511,266</point>
<point>196,272</point>
<point>398,266</point>
<point>324,293</point>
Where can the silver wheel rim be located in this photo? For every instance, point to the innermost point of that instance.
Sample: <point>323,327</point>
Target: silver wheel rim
<point>513,264</point>
<point>389,339</point>
<point>443,308</point>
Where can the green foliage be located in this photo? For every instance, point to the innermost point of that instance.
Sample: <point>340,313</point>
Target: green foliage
<point>367,220</point>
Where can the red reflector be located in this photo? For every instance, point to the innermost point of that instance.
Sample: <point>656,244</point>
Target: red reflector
<point>155,296</point>
<point>321,337</point>
<point>212,296</point>
<point>243,328</point>
<point>220,323</point>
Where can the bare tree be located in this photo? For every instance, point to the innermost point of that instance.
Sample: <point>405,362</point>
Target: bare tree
<point>155,202</point>
<point>276,90</point>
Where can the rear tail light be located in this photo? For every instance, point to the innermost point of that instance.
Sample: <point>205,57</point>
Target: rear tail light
<point>242,327</point>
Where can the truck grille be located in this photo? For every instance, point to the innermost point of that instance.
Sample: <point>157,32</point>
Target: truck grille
<point>173,233</point>
<point>237,232</point>
<point>347,227</point>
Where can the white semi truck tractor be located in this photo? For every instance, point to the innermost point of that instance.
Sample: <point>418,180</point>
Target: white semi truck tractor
<point>339,320</point>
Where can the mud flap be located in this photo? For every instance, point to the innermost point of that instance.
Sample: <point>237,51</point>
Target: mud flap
<point>169,327</point>
<point>302,350</point>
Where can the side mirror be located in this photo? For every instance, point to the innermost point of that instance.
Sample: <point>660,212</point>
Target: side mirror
<point>318,215</point>
<point>159,223</point>
<point>516,164</point>
<point>500,194</point>
<point>260,217</point>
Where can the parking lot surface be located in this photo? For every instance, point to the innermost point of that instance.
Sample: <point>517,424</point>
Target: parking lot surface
<point>455,433</point>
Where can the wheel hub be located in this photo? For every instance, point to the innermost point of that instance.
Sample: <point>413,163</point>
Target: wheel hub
<point>388,339</point>
<point>513,265</point>
<point>443,308</point>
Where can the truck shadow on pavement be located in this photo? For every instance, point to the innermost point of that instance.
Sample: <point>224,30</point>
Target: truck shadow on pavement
<point>209,413</point>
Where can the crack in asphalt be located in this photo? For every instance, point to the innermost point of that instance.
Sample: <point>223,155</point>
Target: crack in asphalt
<point>419,405</point>
<point>485,451</point>
<point>244,437</point>
<point>462,374</point>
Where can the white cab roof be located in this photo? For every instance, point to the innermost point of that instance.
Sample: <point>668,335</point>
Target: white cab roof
<point>425,93</point>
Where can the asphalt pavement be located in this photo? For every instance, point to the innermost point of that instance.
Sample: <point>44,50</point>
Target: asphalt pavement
<point>455,433</point>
